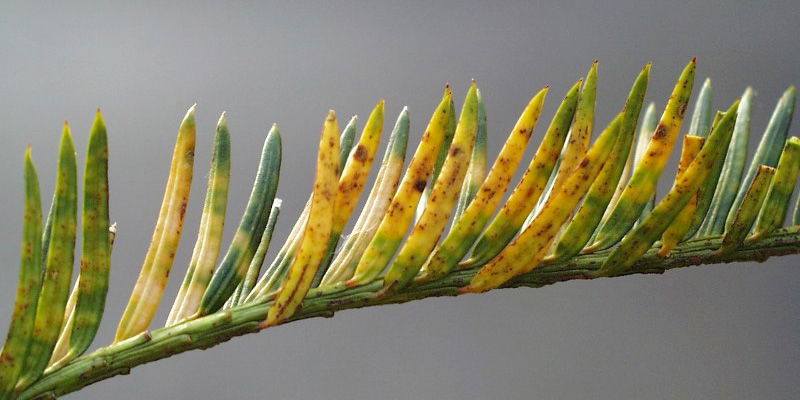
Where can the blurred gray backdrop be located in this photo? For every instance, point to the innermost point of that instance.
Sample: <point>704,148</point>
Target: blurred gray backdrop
<point>726,331</point>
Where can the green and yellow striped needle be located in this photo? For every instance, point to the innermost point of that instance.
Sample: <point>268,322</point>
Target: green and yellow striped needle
<point>212,224</point>
<point>157,264</point>
<point>233,266</point>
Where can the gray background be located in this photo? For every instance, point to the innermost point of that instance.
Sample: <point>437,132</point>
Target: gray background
<point>727,331</point>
